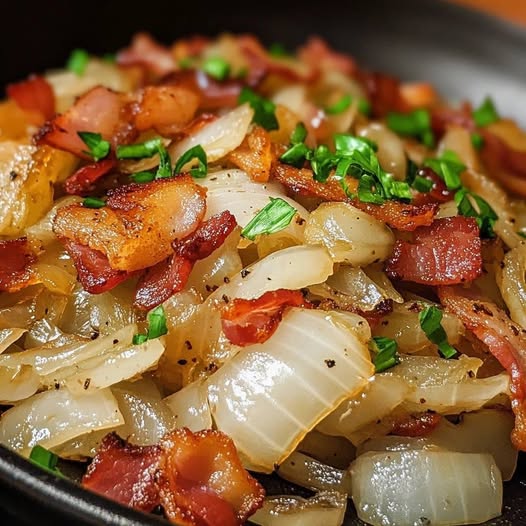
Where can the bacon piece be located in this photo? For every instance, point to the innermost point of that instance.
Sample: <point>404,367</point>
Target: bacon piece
<point>136,228</point>
<point>318,55</point>
<point>213,94</point>
<point>438,193</point>
<point>446,253</point>
<point>165,108</point>
<point>503,163</point>
<point>245,322</point>
<point>93,268</point>
<point>202,480</point>
<point>505,340</point>
<point>100,110</point>
<point>254,155</point>
<point>397,215</point>
<point>82,181</point>
<point>418,94</point>
<point>384,92</point>
<point>170,276</point>
<point>145,52</point>
<point>444,116</point>
<point>190,47</point>
<point>15,260</point>
<point>196,477</point>
<point>416,425</point>
<point>125,473</point>
<point>34,94</point>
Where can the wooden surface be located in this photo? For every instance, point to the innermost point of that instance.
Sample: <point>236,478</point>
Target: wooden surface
<point>513,10</point>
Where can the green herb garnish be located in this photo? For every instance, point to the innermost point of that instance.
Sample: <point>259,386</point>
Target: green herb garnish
<point>477,140</point>
<point>93,202</point>
<point>147,149</point>
<point>276,216</point>
<point>430,321</point>
<point>78,61</point>
<point>278,50</point>
<point>422,184</point>
<point>486,113</point>
<point>216,67</point>
<point>470,204</point>
<point>198,153</point>
<point>387,353</point>
<point>46,460</point>
<point>448,167</point>
<point>415,124</point>
<point>264,109</point>
<point>139,339</point>
<point>142,177</point>
<point>340,106</point>
<point>98,147</point>
<point>156,323</point>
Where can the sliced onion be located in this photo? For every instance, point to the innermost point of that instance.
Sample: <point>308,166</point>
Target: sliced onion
<point>383,394</point>
<point>325,508</point>
<point>292,268</point>
<point>54,417</point>
<point>511,279</point>
<point>432,487</point>
<point>17,383</point>
<point>313,474</point>
<point>458,140</point>
<point>350,235</point>
<point>190,407</point>
<point>219,137</point>
<point>9,336</point>
<point>332,450</point>
<point>258,396</point>
<point>403,325</point>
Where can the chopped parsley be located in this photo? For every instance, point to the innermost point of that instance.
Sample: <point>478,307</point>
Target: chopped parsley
<point>343,104</point>
<point>142,177</point>
<point>93,202</point>
<point>278,50</point>
<point>386,350</point>
<point>98,147</point>
<point>415,124</point>
<point>78,61</point>
<point>264,109</point>
<point>148,149</point>
<point>422,184</point>
<point>45,459</point>
<point>156,326</point>
<point>448,167</point>
<point>216,67</point>
<point>470,204</point>
<point>139,339</point>
<point>274,217</point>
<point>298,151</point>
<point>486,113</point>
<point>477,140</point>
<point>198,153</point>
<point>430,321</point>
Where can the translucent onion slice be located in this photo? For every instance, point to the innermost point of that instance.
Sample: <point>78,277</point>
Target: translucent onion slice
<point>426,487</point>
<point>332,450</point>
<point>325,508</point>
<point>17,383</point>
<point>313,474</point>
<point>258,396</point>
<point>383,394</point>
<point>190,407</point>
<point>292,268</point>
<point>511,279</point>
<point>54,417</point>
<point>350,235</point>
<point>219,137</point>
<point>9,336</point>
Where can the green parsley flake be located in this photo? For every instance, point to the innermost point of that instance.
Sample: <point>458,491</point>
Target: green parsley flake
<point>448,167</point>
<point>264,109</point>
<point>343,104</point>
<point>45,459</point>
<point>387,353</point>
<point>486,113</point>
<point>415,124</point>
<point>470,204</point>
<point>148,149</point>
<point>276,216</point>
<point>78,61</point>
<point>142,177</point>
<point>430,321</point>
<point>195,153</point>
<point>156,323</point>
<point>422,184</point>
<point>93,202</point>
<point>139,339</point>
<point>216,67</point>
<point>477,140</point>
<point>98,147</point>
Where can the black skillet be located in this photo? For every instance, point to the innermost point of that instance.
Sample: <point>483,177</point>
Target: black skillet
<point>464,53</point>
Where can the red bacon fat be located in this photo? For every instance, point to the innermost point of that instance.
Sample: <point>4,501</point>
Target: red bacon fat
<point>15,259</point>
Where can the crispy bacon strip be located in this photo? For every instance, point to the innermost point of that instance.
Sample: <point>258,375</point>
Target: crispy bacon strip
<point>93,268</point>
<point>203,482</point>
<point>136,228</point>
<point>245,322</point>
<point>384,92</point>
<point>397,215</point>
<point>82,181</point>
<point>446,253</point>
<point>170,276</point>
<point>196,477</point>
<point>100,110</point>
<point>416,425</point>
<point>34,94</point>
<point>317,54</point>
<point>505,340</point>
<point>125,473</point>
<point>254,155</point>
<point>15,259</point>
<point>145,52</point>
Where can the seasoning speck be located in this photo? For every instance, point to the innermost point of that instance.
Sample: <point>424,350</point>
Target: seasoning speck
<point>330,363</point>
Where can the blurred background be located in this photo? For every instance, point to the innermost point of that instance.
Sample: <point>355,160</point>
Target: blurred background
<point>468,48</point>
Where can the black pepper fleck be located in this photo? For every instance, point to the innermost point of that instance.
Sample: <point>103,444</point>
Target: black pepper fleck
<point>330,363</point>
<point>87,382</point>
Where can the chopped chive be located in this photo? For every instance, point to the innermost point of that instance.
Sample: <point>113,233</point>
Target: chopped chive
<point>78,61</point>
<point>156,323</point>
<point>198,153</point>
<point>415,124</point>
<point>217,68</point>
<point>142,177</point>
<point>486,113</point>
<point>422,184</point>
<point>45,459</point>
<point>139,339</point>
<point>138,150</point>
<point>387,353</point>
<point>93,202</point>
<point>339,106</point>
<point>264,109</point>
<point>430,321</point>
<point>274,217</point>
<point>98,147</point>
<point>299,133</point>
